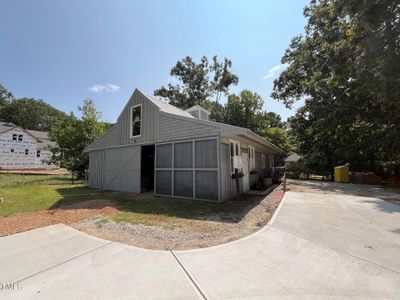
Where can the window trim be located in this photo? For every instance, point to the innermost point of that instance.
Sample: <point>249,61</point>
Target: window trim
<point>235,143</point>
<point>131,121</point>
<point>252,159</point>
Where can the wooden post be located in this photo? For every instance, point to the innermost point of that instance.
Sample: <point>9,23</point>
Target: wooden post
<point>284,181</point>
<point>237,184</point>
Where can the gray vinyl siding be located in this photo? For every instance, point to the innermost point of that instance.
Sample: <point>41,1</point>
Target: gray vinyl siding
<point>150,115</point>
<point>107,139</point>
<point>225,171</point>
<point>173,128</point>
<point>96,169</point>
<point>260,170</point>
<point>228,188</point>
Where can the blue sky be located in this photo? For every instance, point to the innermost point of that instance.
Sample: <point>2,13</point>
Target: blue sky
<point>67,51</point>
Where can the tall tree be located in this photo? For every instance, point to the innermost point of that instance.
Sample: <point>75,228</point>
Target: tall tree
<point>73,135</point>
<point>346,67</point>
<point>198,82</point>
<point>275,120</point>
<point>31,114</point>
<point>5,98</point>
<point>245,110</point>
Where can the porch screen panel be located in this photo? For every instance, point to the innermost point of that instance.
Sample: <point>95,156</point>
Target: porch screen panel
<point>183,156</point>
<point>164,182</point>
<point>206,154</point>
<point>164,156</point>
<point>206,185</point>
<point>183,183</point>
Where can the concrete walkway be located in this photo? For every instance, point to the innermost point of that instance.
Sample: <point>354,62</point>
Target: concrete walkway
<point>317,246</point>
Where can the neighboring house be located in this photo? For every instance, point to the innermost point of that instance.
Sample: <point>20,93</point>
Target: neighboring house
<point>294,157</point>
<point>177,153</point>
<point>23,149</point>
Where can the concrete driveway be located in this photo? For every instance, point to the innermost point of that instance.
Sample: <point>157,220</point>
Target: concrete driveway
<point>318,246</point>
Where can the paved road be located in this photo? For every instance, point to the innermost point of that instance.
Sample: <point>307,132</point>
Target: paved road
<point>318,246</point>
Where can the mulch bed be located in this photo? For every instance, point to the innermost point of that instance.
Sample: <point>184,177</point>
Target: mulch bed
<point>66,215</point>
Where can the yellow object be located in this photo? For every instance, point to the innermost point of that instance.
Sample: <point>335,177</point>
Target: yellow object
<point>342,174</point>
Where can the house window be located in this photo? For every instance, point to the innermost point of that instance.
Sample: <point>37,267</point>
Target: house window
<point>263,161</point>
<point>235,153</point>
<point>14,137</point>
<point>136,120</point>
<point>252,161</point>
<point>20,137</point>
<point>26,151</point>
<point>12,150</point>
<point>38,153</point>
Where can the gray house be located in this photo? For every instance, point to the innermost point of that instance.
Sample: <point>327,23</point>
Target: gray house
<point>176,153</point>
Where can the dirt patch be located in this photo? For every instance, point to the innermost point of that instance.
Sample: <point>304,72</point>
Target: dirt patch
<point>94,217</point>
<point>184,233</point>
<point>64,214</point>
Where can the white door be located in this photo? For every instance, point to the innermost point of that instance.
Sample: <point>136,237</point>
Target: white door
<point>245,165</point>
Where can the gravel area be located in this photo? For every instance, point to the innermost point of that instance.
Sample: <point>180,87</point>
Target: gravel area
<point>186,233</point>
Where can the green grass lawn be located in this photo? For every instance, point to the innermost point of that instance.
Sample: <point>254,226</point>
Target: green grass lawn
<point>28,193</point>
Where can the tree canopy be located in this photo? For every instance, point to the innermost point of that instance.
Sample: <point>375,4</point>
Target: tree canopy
<point>346,67</point>
<point>73,135</point>
<point>198,82</point>
<point>5,98</point>
<point>30,113</point>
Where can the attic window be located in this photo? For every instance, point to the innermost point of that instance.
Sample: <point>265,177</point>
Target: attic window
<point>38,153</point>
<point>14,137</point>
<point>136,120</point>
<point>26,151</point>
<point>20,137</point>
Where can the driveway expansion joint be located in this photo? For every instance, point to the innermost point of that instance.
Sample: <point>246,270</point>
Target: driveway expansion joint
<point>63,262</point>
<point>334,249</point>
<point>190,276</point>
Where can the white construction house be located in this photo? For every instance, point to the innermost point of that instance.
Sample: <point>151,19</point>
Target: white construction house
<point>23,149</point>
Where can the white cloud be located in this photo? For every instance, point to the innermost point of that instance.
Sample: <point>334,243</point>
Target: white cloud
<point>99,88</point>
<point>273,71</point>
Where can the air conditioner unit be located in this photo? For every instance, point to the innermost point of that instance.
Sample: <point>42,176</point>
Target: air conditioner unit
<point>237,162</point>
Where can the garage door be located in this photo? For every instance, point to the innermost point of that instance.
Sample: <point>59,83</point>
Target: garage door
<point>122,170</point>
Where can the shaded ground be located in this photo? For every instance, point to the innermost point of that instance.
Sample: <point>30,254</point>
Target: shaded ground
<point>309,186</point>
<point>32,201</point>
<point>319,246</point>
<point>186,230</point>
